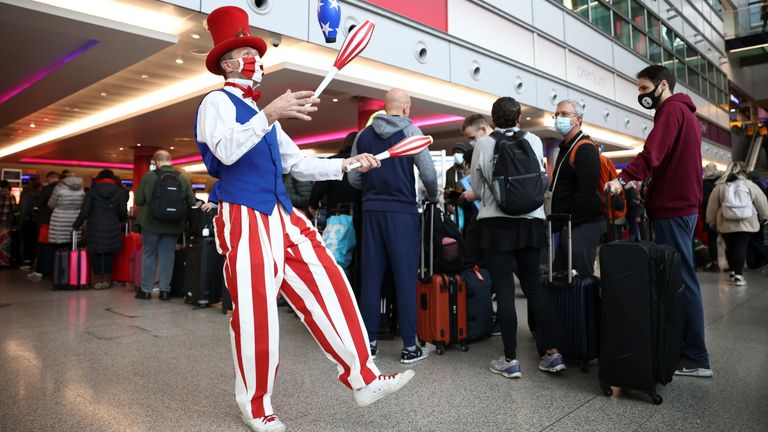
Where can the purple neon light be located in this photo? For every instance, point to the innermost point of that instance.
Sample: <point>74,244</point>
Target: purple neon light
<point>47,70</point>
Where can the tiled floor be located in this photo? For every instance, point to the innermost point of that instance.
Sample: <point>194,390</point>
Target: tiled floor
<point>102,361</point>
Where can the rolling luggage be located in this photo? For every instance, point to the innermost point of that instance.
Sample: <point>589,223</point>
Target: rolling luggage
<point>203,272</point>
<point>441,317</point>
<point>479,304</point>
<point>642,321</point>
<point>135,266</point>
<point>121,269</point>
<point>79,267</point>
<point>178,278</point>
<point>575,302</point>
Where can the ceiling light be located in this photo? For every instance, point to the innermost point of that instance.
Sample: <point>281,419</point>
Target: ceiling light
<point>173,148</point>
<point>528,118</point>
<point>122,148</point>
<point>195,36</point>
<point>45,119</point>
<point>179,60</point>
<point>103,94</point>
<point>144,76</point>
<point>169,95</point>
<point>200,167</point>
<point>32,125</point>
<point>335,99</point>
<point>96,164</point>
<point>138,144</point>
<point>144,17</point>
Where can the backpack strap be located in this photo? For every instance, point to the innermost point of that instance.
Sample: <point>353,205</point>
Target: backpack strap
<point>585,139</point>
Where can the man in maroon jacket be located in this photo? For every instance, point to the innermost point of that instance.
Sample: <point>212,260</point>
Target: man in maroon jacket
<point>671,164</point>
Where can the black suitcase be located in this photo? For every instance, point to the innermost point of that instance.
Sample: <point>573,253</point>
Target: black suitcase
<point>178,278</point>
<point>60,269</point>
<point>203,272</point>
<point>479,305</point>
<point>575,302</point>
<point>642,321</point>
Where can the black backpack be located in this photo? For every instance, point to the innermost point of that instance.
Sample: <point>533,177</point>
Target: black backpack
<point>168,203</point>
<point>518,183</point>
<point>448,256</point>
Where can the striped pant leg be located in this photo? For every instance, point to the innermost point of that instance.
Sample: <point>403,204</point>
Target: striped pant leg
<point>318,290</point>
<point>252,278</point>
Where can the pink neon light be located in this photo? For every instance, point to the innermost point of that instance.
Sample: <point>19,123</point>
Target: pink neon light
<point>44,72</point>
<point>77,163</point>
<point>335,136</point>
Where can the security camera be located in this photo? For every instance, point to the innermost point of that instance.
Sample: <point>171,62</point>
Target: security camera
<point>275,40</point>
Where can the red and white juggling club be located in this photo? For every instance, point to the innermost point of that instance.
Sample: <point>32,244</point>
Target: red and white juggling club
<point>353,45</point>
<point>407,147</point>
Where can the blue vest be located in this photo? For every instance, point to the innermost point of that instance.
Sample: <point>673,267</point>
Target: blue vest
<point>392,187</point>
<point>256,179</point>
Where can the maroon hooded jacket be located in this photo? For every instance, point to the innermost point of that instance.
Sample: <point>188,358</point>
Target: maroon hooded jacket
<point>671,160</point>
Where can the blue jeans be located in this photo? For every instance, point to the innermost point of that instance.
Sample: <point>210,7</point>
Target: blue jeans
<point>678,233</point>
<point>158,249</point>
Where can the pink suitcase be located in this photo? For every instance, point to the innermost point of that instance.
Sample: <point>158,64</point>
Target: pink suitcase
<point>79,268</point>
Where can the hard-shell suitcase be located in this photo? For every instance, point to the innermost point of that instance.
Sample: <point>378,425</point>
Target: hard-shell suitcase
<point>121,269</point>
<point>203,272</point>
<point>575,301</point>
<point>135,266</point>
<point>441,302</point>
<point>642,322</point>
<point>479,304</point>
<point>79,272</point>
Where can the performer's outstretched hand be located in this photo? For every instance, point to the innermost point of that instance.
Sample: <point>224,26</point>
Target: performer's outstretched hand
<point>291,105</point>
<point>367,162</point>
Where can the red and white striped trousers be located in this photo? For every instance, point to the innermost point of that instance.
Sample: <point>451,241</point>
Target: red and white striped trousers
<point>284,253</point>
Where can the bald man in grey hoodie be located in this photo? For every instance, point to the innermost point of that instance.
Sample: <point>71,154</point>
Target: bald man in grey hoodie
<point>391,219</point>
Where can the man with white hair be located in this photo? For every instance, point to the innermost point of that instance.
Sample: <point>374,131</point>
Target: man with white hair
<point>575,188</point>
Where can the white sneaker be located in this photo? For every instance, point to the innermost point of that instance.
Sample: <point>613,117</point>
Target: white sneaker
<point>695,372</point>
<point>732,276</point>
<point>739,280</point>
<point>382,386</point>
<point>35,276</point>
<point>269,423</point>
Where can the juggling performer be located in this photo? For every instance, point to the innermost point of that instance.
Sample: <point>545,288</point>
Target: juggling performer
<point>271,248</point>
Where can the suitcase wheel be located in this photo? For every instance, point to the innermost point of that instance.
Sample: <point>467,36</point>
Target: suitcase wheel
<point>607,391</point>
<point>440,348</point>
<point>464,347</point>
<point>655,398</point>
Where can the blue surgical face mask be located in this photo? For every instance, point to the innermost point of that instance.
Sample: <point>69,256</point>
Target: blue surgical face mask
<point>458,158</point>
<point>563,125</point>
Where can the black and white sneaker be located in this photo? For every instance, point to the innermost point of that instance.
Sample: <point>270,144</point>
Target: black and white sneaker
<point>407,356</point>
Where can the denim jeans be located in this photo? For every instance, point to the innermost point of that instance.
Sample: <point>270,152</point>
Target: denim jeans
<point>678,233</point>
<point>158,249</point>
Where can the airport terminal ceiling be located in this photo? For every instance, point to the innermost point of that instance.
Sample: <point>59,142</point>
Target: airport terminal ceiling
<point>108,112</point>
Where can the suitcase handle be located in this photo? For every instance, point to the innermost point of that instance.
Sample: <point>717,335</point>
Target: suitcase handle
<point>550,244</point>
<point>74,239</point>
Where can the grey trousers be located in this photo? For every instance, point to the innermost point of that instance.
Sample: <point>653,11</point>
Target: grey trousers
<point>585,239</point>
<point>158,249</point>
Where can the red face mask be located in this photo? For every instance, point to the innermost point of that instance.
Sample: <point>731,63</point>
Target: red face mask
<point>251,67</point>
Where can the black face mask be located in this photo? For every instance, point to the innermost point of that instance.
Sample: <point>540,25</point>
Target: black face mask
<point>649,100</point>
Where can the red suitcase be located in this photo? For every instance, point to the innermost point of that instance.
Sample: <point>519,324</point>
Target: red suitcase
<point>79,269</point>
<point>441,302</point>
<point>121,269</point>
<point>135,267</point>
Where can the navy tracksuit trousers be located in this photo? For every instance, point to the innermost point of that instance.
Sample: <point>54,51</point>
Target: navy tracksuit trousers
<point>390,241</point>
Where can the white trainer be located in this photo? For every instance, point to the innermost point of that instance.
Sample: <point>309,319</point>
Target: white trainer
<point>269,423</point>
<point>382,386</point>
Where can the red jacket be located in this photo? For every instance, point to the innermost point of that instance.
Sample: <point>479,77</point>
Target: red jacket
<point>671,160</point>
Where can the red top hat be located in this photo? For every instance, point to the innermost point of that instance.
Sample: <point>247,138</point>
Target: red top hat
<point>229,29</point>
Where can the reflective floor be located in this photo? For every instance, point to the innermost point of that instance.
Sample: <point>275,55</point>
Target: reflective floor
<point>102,361</point>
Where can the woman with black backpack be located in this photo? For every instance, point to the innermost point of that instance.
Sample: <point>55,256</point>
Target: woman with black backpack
<point>105,208</point>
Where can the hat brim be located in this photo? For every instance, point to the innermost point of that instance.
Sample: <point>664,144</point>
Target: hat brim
<point>212,60</point>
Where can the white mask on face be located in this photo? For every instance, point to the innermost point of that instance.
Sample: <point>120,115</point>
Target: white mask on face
<point>152,166</point>
<point>458,158</point>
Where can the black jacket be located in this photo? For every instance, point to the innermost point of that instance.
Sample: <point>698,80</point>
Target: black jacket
<point>105,207</point>
<point>41,213</point>
<point>576,191</point>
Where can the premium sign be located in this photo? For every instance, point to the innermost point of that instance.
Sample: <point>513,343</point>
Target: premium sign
<point>589,76</point>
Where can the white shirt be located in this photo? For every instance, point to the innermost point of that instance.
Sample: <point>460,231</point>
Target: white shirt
<point>230,140</point>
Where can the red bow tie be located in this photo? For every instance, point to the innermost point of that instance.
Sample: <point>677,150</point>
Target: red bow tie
<point>248,92</point>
